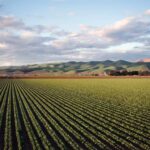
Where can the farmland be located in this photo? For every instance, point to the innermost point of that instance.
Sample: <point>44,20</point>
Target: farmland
<point>75,114</point>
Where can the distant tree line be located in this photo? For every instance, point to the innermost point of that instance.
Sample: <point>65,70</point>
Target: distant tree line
<point>128,73</point>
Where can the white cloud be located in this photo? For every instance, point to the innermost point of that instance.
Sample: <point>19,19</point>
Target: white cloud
<point>123,48</point>
<point>122,23</point>
<point>3,46</point>
<point>147,12</point>
<point>28,34</point>
<point>10,22</point>
<point>127,38</point>
<point>6,64</point>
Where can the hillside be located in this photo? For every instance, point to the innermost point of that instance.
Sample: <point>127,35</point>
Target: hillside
<point>70,68</point>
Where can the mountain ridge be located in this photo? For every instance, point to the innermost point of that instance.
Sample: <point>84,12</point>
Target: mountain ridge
<point>73,67</point>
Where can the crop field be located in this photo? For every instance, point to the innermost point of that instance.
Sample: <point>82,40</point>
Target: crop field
<point>74,114</point>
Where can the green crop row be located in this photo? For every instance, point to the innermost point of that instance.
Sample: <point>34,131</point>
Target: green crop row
<point>74,114</point>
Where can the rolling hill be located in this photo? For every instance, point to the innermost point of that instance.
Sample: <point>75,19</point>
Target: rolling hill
<point>70,68</point>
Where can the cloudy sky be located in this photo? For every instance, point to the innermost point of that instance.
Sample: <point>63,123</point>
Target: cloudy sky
<point>41,31</point>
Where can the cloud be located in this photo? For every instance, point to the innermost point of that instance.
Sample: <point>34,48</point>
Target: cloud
<point>147,12</point>
<point>28,34</point>
<point>128,38</point>
<point>10,22</point>
<point>3,46</point>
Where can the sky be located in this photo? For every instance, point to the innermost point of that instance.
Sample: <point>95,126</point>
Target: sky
<point>43,31</point>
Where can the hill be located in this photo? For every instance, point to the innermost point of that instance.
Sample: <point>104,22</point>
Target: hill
<point>72,68</point>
